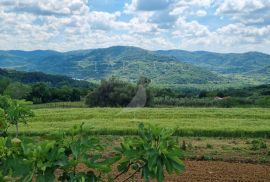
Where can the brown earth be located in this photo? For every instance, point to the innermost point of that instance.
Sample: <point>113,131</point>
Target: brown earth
<point>212,171</point>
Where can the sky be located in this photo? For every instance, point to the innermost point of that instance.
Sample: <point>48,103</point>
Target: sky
<point>64,25</point>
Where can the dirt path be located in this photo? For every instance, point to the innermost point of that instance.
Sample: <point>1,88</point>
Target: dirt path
<point>212,171</point>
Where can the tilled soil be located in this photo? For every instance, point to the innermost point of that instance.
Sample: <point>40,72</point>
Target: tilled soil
<point>211,171</point>
<point>223,171</point>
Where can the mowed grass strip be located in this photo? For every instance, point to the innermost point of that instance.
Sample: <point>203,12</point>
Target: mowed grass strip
<point>215,122</point>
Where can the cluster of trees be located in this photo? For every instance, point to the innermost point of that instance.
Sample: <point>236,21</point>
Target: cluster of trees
<point>117,93</point>
<point>42,93</point>
<point>40,87</point>
<point>43,88</point>
<point>258,96</point>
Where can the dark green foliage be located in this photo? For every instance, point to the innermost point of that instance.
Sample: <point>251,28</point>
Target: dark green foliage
<point>253,96</point>
<point>17,90</point>
<point>220,94</point>
<point>42,93</point>
<point>40,88</point>
<point>258,144</point>
<point>4,82</point>
<point>203,94</point>
<point>150,153</point>
<point>34,77</point>
<point>116,93</point>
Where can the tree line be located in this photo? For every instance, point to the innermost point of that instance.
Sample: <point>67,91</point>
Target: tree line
<point>115,92</point>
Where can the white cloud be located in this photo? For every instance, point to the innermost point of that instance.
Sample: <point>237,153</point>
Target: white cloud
<point>246,11</point>
<point>151,24</point>
<point>148,5</point>
<point>201,13</point>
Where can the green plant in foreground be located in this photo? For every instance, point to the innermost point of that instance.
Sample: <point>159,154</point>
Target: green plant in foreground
<point>85,150</point>
<point>150,153</point>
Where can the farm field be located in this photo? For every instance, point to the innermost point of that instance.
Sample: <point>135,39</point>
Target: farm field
<point>207,122</point>
<point>218,144</point>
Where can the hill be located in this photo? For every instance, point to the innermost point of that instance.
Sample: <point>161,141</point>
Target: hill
<point>129,63</point>
<point>251,66</point>
<point>125,62</point>
<point>35,77</point>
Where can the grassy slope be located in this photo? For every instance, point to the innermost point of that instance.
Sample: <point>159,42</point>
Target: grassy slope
<point>234,122</point>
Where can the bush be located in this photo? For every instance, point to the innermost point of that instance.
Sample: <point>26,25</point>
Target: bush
<point>150,153</point>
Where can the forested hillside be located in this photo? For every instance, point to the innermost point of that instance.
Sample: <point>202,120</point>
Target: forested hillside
<point>250,66</point>
<point>128,63</point>
<point>40,87</point>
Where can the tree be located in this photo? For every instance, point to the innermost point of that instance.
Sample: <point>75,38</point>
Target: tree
<point>17,90</point>
<point>40,93</point>
<point>15,111</point>
<point>3,84</point>
<point>118,93</point>
<point>111,93</point>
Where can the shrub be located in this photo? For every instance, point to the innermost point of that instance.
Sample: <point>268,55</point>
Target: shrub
<point>258,144</point>
<point>150,153</point>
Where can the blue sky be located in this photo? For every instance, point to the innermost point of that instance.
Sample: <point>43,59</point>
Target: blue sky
<point>63,25</point>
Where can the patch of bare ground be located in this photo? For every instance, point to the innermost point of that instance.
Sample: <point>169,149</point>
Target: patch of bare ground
<point>210,171</point>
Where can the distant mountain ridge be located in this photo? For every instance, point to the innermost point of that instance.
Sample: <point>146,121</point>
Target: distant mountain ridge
<point>163,67</point>
<point>248,65</point>
<point>125,62</point>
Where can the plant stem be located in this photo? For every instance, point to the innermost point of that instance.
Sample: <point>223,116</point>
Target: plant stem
<point>17,130</point>
<point>122,172</point>
<point>137,170</point>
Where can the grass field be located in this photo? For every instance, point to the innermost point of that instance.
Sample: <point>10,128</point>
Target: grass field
<point>209,122</point>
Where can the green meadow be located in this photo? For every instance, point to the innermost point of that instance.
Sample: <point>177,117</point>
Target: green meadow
<point>207,122</point>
